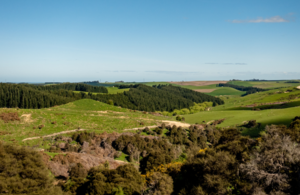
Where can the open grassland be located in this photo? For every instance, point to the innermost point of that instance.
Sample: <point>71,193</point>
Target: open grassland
<point>115,90</point>
<point>238,117</point>
<point>86,114</point>
<point>268,85</point>
<point>272,96</point>
<point>111,90</point>
<point>264,84</point>
<point>236,112</point>
<point>198,83</point>
<point>225,91</point>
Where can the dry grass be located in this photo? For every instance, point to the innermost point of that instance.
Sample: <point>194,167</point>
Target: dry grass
<point>10,116</point>
<point>198,83</point>
<point>204,90</point>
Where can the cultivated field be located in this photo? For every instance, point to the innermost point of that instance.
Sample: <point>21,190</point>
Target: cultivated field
<point>198,83</point>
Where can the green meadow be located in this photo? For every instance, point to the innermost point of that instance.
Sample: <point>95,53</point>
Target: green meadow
<point>235,112</point>
<point>84,114</point>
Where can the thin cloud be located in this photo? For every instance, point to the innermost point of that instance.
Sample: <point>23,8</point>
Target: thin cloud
<point>171,72</point>
<point>274,19</point>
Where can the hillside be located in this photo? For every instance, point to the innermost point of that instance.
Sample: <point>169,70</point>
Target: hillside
<point>84,114</point>
<point>278,106</point>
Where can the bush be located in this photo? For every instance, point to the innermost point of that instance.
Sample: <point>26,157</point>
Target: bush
<point>178,118</point>
<point>78,171</point>
<point>110,102</point>
<point>104,181</point>
<point>22,171</point>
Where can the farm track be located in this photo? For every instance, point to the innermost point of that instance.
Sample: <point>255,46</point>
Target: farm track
<point>54,134</point>
<point>171,123</point>
<point>137,128</point>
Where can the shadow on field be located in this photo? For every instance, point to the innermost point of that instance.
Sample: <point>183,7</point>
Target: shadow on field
<point>255,132</point>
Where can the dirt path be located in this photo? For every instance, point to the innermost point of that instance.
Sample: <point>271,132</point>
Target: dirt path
<point>171,123</point>
<point>137,128</point>
<point>54,134</point>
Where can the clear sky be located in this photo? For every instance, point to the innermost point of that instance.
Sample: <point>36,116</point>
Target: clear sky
<point>148,40</point>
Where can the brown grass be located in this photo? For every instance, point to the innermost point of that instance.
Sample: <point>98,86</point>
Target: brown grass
<point>198,83</point>
<point>10,116</point>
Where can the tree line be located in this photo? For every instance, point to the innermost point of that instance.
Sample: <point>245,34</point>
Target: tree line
<point>70,86</point>
<point>248,90</point>
<point>142,97</point>
<point>21,96</point>
<point>157,98</point>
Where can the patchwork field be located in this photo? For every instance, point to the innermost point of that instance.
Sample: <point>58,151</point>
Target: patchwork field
<point>198,83</point>
<point>264,84</point>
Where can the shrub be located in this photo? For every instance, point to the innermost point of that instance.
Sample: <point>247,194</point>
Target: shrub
<point>178,118</point>
<point>23,172</point>
<point>104,181</point>
<point>78,171</point>
<point>110,102</point>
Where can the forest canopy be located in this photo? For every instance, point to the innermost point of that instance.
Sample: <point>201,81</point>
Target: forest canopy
<point>139,97</point>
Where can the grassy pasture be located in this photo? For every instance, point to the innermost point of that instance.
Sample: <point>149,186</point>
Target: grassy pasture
<point>226,91</point>
<point>275,95</point>
<point>241,83</point>
<point>115,90</point>
<point>237,117</point>
<point>264,84</point>
<point>111,90</point>
<point>86,114</point>
<point>234,114</point>
<point>269,84</point>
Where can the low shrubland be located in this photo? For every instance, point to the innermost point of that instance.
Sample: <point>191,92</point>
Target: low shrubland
<point>196,160</point>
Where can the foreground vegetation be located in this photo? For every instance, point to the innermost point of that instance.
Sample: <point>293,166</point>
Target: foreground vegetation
<point>196,160</point>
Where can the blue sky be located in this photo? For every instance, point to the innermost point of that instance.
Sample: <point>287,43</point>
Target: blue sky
<point>148,40</point>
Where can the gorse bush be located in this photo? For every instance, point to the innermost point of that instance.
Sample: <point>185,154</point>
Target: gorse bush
<point>22,171</point>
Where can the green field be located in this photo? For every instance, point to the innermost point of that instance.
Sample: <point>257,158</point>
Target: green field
<point>86,114</point>
<point>237,117</point>
<point>111,90</point>
<point>226,91</point>
<point>264,84</point>
<point>115,90</point>
<point>235,113</point>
